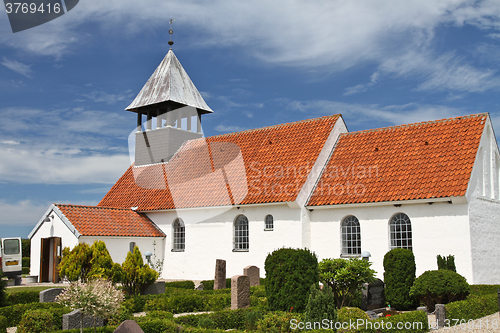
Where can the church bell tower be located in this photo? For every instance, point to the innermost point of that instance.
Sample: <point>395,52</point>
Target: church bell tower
<point>173,106</point>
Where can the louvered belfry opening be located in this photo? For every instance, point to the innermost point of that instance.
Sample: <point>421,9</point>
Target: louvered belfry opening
<point>172,107</point>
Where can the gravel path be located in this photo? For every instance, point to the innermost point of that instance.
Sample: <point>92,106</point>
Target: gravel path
<point>486,324</point>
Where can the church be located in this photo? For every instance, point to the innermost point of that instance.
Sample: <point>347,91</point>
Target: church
<point>431,187</point>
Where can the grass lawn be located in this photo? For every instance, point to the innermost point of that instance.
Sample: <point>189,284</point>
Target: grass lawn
<point>15,289</point>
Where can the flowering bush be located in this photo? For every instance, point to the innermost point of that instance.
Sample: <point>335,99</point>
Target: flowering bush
<point>97,298</point>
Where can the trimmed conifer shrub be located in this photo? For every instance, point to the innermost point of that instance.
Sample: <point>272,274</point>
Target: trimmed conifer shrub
<point>446,262</point>
<point>36,321</point>
<point>290,273</point>
<point>399,275</point>
<point>439,287</point>
<point>321,304</point>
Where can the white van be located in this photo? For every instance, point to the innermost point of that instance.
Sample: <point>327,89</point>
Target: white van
<point>12,257</point>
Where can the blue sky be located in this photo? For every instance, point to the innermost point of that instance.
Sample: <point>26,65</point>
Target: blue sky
<point>64,85</point>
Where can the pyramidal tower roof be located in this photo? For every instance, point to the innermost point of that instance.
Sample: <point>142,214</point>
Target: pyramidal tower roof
<point>169,83</point>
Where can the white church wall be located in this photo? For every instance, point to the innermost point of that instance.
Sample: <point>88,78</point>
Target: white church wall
<point>212,239</point>
<point>484,210</point>
<point>118,247</point>
<point>440,228</point>
<point>54,228</point>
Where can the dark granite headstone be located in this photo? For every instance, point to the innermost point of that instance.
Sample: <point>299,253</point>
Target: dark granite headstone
<point>156,288</point>
<point>220,274</point>
<point>49,295</point>
<point>72,320</point>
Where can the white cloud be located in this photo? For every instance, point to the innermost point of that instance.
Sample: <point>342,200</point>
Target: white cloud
<point>447,71</point>
<point>356,89</point>
<point>23,212</point>
<point>24,165</point>
<point>103,97</point>
<point>227,129</point>
<point>17,67</point>
<point>360,113</point>
<point>10,142</point>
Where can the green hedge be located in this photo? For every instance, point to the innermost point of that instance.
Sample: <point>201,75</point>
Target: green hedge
<point>223,320</point>
<point>26,262</point>
<point>209,284</point>
<point>399,275</point>
<point>3,324</point>
<point>180,284</point>
<point>189,303</point>
<point>483,289</point>
<point>472,308</point>
<point>415,321</point>
<point>23,297</point>
<point>14,313</point>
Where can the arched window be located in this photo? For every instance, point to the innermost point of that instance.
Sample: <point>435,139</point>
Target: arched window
<point>179,232</point>
<point>269,223</point>
<point>400,231</point>
<point>241,234</point>
<point>351,236</point>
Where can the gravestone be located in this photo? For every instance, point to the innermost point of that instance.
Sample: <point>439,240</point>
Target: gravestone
<point>128,326</point>
<point>253,272</point>
<point>156,288</point>
<point>220,274</point>
<point>49,295</point>
<point>72,320</point>
<point>440,315</point>
<point>372,315</point>
<point>372,295</point>
<point>200,287</point>
<point>240,292</point>
<point>422,308</point>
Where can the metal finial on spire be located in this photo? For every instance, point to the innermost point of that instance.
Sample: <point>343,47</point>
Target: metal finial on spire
<point>171,31</point>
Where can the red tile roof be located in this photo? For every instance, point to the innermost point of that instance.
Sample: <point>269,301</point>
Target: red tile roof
<point>103,221</point>
<point>417,161</point>
<point>263,165</point>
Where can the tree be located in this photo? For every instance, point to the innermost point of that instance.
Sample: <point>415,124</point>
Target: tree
<point>86,262</point>
<point>399,275</point>
<point>447,263</point>
<point>97,298</point>
<point>136,276</point>
<point>321,304</point>
<point>290,273</point>
<point>345,277</point>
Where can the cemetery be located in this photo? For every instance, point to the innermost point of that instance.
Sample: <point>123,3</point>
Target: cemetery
<point>298,294</point>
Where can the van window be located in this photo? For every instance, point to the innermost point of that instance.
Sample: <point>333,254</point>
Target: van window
<point>11,246</point>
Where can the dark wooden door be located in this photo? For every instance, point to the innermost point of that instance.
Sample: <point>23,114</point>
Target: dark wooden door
<point>44,259</point>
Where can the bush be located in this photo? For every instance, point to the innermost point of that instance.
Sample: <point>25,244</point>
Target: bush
<point>136,276</point>
<point>399,275</point>
<point>279,321</point>
<point>189,303</point>
<point>209,284</point>
<point>25,270</point>
<point>134,304</point>
<point>158,326</point>
<point>26,248</point>
<point>439,287</point>
<point>3,324</point>
<point>26,262</point>
<point>321,304</point>
<point>447,263</point>
<point>483,289</point>
<point>14,313</point>
<point>23,297</point>
<point>346,316</point>
<point>2,290</point>
<point>290,273</point>
<point>408,322</point>
<point>472,308</point>
<point>36,321</point>
<point>345,277</point>
<point>86,262</point>
<point>181,284</point>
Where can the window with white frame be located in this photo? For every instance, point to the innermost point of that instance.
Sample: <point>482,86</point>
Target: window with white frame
<point>131,246</point>
<point>269,223</point>
<point>400,231</point>
<point>179,232</point>
<point>241,242</point>
<point>351,236</point>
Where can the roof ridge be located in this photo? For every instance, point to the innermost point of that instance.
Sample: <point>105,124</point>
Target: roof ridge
<point>87,206</point>
<point>477,115</point>
<point>337,115</point>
